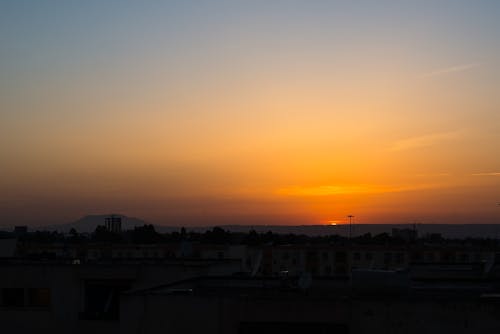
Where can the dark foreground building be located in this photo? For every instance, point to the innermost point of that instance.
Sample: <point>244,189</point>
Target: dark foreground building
<point>243,305</point>
<point>75,284</point>
<point>56,296</point>
<point>212,296</point>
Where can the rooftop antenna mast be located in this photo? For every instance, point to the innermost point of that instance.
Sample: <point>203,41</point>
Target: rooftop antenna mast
<point>350,225</point>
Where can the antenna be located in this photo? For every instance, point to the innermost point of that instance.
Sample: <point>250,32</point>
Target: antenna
<point>350,225</point>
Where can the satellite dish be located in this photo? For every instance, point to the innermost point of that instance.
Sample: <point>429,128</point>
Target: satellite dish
<point>305,281</point>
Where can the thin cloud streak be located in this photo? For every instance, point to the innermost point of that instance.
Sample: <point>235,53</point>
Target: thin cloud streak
<point>453,69</point>
<point>487,174</point>
<point>330,190</point>
<point>422,141</point>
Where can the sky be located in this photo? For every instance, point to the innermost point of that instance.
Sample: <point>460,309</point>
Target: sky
<point>250,112</point>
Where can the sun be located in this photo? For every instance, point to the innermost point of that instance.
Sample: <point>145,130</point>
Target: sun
<point>332,222</point>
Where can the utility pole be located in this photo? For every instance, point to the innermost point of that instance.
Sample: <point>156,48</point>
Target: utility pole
<point>350,225</point>
<point>496,236</point>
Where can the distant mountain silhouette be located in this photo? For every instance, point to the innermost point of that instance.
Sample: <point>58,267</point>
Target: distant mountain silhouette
<point>89,223</point>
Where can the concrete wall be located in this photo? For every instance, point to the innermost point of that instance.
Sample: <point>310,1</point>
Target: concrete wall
<point>8,247</point>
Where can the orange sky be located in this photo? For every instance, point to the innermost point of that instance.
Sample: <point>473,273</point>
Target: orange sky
<point>256,115</point>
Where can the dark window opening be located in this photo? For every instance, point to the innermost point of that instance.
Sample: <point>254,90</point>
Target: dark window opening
<point>341,257</point>
<point>464,257</point>
<point>387,258</point>
<point>328,270</point>
<point>102,299</point>
<point>399,258</point>
<point>13,297</point>
<point>39,297</point>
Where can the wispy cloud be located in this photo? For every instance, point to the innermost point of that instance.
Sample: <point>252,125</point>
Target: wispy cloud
<point>331,190</point>
<point>423,141</point>
<point>487,174</point>
<point>432,174</point>
<point>452,69</point>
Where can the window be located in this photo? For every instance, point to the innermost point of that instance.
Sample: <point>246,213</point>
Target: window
<point>341,257</point>
<point>497,257</point>
<point>447,257</point>
<point>13,297</point>
<point>328,270</point>
<point>430,257</point>
<point>369,256</point>
<point>399,258</point>
<point>39,297</point>
<point>314,270</point>
<point>357,256</point>
<point>387,258</point>
<point>464,257</point>
<point>312,256</point>
<point>416,257</point>
<point>102,299</point>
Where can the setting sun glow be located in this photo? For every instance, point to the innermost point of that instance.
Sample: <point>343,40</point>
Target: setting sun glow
<point>246,116</point>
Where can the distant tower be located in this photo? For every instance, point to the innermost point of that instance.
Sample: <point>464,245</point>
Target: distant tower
<point>113,224</point>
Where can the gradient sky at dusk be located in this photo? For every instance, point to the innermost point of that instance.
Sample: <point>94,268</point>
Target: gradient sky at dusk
<point>248,112</point>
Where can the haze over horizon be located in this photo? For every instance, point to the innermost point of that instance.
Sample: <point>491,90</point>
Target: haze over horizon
<point>264,112</point>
